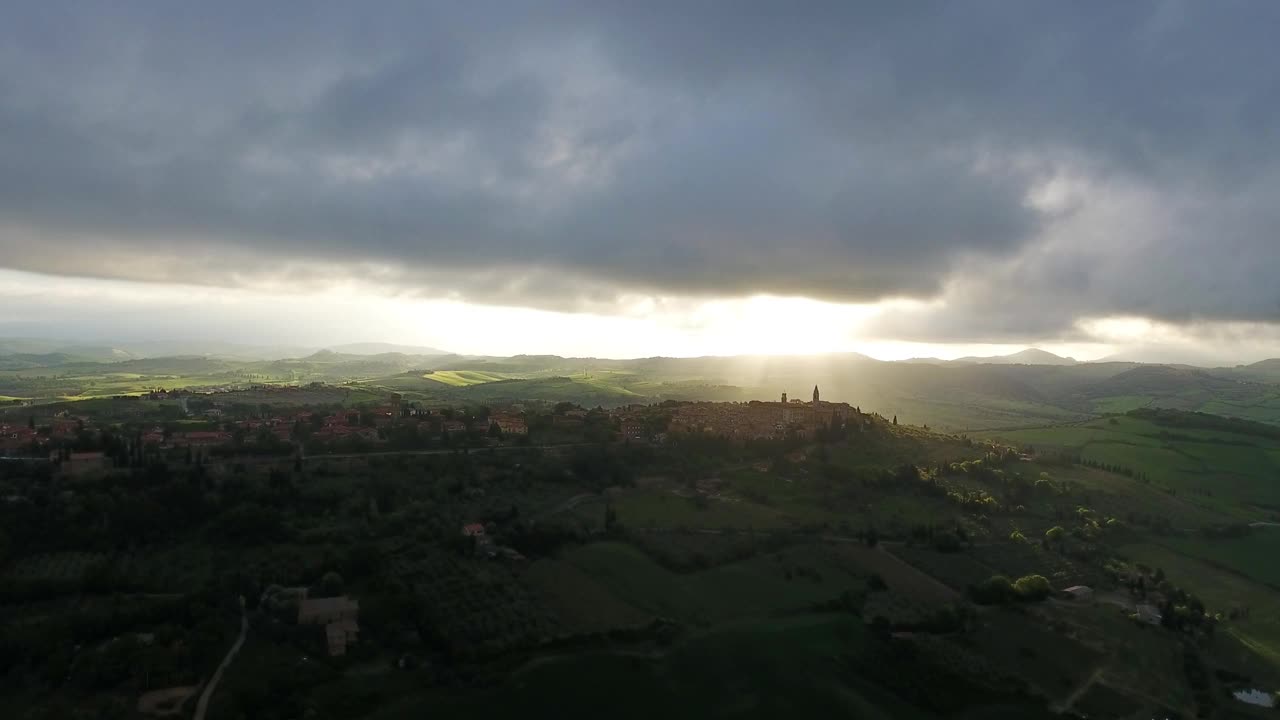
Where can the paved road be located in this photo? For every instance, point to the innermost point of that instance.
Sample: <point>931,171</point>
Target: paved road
<point>203,706</point>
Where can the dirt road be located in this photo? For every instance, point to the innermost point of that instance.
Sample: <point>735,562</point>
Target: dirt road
<point>203,706</point>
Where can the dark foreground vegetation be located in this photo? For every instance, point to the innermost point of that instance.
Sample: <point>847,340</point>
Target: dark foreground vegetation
<point>582,561</point>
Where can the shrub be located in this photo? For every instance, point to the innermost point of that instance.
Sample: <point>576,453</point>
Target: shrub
<point>1032,587</point>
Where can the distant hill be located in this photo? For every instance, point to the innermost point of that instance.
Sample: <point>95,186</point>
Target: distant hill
<point>1158,379</point>
<point>1026,389</point>
<point>1030,356</point>
<point>81,351</point>
<point>28,346</point>
<point>99,353</point>
<point>379,348</point>
<point>1264,370</point>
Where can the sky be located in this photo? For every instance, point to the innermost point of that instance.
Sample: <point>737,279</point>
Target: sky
<point>621,179</point>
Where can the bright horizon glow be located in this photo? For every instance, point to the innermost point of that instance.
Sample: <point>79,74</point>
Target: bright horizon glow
<point>101,310</point>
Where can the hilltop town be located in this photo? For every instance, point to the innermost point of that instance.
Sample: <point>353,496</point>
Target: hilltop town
<point>127,429</point>
<point>321,541</point>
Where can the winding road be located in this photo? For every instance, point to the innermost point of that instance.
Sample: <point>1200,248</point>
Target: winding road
<point>203,706</point>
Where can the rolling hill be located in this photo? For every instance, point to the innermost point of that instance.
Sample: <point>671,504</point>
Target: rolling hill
<point>996,393</point>
<point>1030,356</point>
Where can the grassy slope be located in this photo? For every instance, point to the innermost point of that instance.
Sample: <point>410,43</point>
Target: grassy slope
<point>463,378</point>
<point>1220,471</point>
<point>750,588</point>
<point>782,668</point>
<point>1254,556</point>
<point>1221,590</point>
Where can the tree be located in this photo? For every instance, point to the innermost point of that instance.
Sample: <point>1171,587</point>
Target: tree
<point>495,431</point>
<point>994,590</point>
<point>895,419</point>
<point>331,584</point>
<point>31,422</point>
<point>1055,534</point>
<point>1033,587</point>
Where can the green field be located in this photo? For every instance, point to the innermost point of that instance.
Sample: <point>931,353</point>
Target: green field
<point>1221,590</point>
<point>1117,496</point>
<point>790,580</point>
<point>464,378</point>
<point>1254,556</point>
<point>580,602</point>
<point>782,668</point>
<point>1228,473</point>
<point>659,507</point>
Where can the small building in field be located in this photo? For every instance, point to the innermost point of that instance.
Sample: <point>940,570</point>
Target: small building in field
<point>340,617</point>
<point>1149,614</point>
<point>1079,593</point>
<point>475,530</point>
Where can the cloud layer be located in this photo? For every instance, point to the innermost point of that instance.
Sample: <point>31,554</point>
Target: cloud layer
<point>1023,165</point>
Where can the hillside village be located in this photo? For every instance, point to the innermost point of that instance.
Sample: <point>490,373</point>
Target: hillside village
<point>429,540</point>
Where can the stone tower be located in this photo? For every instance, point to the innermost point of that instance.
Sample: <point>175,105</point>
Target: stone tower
<point>815,396</point>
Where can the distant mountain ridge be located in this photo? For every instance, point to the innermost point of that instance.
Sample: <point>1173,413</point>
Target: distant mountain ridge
<point>380,348</point>
<point>1030,356</point>
<point>32,349</point>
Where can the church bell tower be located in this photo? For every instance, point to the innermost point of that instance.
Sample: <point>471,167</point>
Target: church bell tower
<point>815,396</point>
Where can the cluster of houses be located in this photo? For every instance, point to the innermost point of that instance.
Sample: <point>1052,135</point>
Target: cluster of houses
<point>750,420</point>
<point>17,438</point>
<point>364,424</point>
<point>762,420</point>
<point>368,424</point>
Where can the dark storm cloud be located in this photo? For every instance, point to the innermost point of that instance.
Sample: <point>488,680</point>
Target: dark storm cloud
<point>546,152</point>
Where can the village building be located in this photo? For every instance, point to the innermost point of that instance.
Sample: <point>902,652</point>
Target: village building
<point>1079,593</point>
<point>762,420</point>
<point>201,438</point>
<point>340,617</point>
<point>510,424</point>
<point>83,464</point>
<point>634,429</point>
<point>17,437</point>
